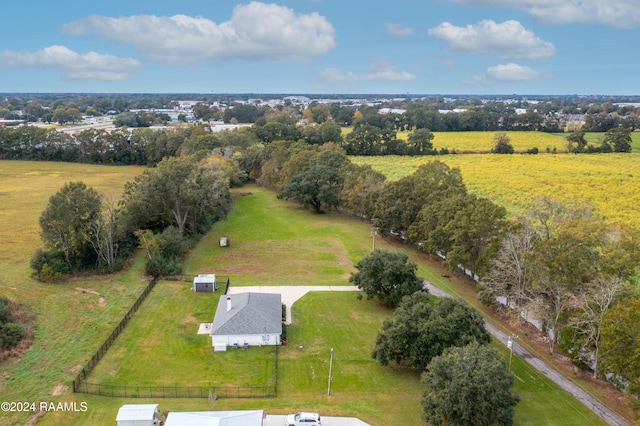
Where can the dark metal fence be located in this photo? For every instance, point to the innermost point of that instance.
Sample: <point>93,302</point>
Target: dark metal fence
<point>127,391</point>
<point>95,359</point>
<point>134,391</point>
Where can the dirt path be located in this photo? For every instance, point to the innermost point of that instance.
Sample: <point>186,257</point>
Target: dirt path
<point>589,401</point>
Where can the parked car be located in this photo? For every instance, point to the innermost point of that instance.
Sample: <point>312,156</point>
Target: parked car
<point>303,419</point>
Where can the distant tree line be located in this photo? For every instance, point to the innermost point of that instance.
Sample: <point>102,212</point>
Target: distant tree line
<point>143,147</point>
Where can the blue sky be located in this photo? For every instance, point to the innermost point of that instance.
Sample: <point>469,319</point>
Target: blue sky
<point>322,46</point>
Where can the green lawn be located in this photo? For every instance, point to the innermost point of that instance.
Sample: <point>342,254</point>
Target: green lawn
<point>164,335</point>
<point>273,245</point>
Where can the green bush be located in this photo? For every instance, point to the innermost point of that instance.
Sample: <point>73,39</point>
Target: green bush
<point>10,335</point>
<point>4,310</point>
<point>48,274</point>
<point>53,259</point>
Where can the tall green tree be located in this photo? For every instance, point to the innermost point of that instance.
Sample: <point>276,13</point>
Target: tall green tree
<point>419,331</point>
<point>621,348</point>
<point>578,139</point>
<point>69,220</point>
<point>387,276</point>
<point>399,203</point>
<point>420,142</point>
<point>468,386</point>
<point>502,144</point>
<point>619,139</point>
<point>179,192</point>
<point>317,188</point>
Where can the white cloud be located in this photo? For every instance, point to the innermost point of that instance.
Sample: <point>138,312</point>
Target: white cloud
<point>255,31</point>
<point>380,71</point>
<point>72,65</point>
<point>398,30</point>
<point>613,13</point>
<point>508,39</point>
<point>509,73</point>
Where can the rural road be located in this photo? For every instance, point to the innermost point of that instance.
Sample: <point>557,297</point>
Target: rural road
<point>590,402</point>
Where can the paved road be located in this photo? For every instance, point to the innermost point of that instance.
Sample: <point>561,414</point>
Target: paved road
<point>590,402</point>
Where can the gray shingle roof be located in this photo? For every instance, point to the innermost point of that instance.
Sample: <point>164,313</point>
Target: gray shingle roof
<point>251,313</point>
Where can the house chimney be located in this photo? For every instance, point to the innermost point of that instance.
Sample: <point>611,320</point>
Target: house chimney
<point>228,303</point>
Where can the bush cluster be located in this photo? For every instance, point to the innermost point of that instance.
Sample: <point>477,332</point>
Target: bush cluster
<point>10,332</point>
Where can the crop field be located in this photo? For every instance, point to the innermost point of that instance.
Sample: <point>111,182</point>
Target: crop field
<point>608,181</point>
<point>482,142</point>
<point>472,142</point>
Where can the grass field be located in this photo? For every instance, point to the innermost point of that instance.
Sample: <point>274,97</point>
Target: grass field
<point>70,321</point>
<point>608,181</point>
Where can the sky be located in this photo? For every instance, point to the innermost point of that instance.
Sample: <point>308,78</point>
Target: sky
<point>542,47</point>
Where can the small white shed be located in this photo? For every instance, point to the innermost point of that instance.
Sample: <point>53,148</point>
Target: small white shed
<point>205,282</point>
<point>138,415</point>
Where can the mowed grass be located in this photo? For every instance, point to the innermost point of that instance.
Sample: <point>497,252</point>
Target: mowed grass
<point>290,247</point>
<point>608,181</point>
<point>71,319</point>
<point>162,340</point>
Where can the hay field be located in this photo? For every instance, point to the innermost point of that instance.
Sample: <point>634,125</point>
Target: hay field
<point>72,318</point>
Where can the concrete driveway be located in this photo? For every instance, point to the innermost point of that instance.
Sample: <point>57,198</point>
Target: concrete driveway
<point>276,420</point>
<point>289,293</point>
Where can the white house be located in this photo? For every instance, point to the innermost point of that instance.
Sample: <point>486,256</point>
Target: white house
<point>216,418</point>
<point>204,282</point>
<point>138,415</point>
<point>247,319</point>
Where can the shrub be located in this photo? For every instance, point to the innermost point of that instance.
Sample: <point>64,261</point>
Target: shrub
<point>10,335</point>
<point>4,310</point>
<point>53,259</point>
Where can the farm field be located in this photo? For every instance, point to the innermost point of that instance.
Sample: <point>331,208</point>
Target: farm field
<point>471,142</point>
<point>608,181</point>
<point>362,388</point>
<point>482,142</point>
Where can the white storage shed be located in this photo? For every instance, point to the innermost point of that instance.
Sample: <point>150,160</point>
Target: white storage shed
<point>138,415</point>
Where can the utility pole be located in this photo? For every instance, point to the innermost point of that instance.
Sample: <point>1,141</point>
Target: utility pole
<point>330,370</point>
<point>510,346</point>
<point>374,232</point>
